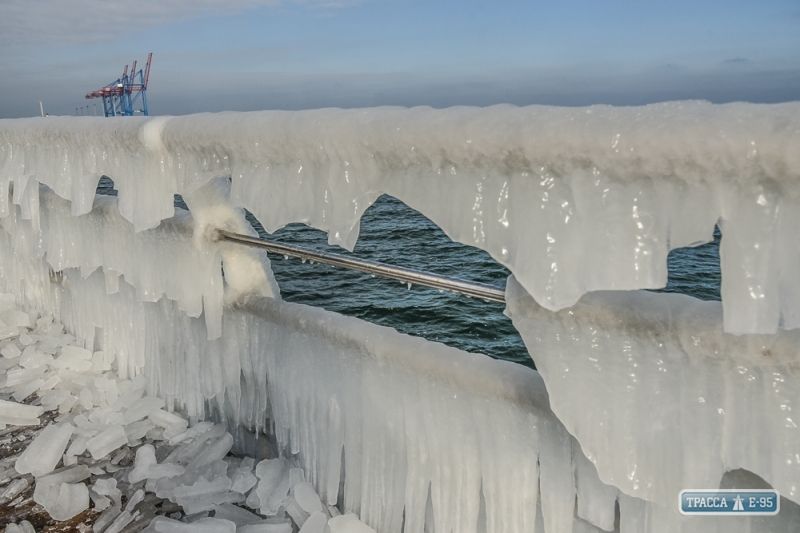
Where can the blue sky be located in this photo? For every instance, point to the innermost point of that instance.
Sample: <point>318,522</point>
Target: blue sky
<point>211,55</point>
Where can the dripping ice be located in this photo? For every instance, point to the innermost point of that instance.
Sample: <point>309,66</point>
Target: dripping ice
<point>573,201</point>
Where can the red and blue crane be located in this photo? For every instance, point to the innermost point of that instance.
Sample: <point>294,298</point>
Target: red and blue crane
<point>127,95</point>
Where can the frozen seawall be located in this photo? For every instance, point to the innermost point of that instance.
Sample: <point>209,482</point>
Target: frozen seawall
<point>571,200</point>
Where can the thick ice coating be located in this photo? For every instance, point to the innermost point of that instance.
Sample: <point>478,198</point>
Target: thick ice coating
<point>570,199</point>
<point>655,380</point>
<point>408,434</point>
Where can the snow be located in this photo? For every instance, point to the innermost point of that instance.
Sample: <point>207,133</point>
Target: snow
<point>572,200</point>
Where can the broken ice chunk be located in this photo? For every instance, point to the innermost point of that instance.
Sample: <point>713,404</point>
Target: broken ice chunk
<point>108,487</point>
<point>101,362</point>
<point>106,518</point>
<point>19,410</point>
<point>236,514</point>
<point>135,500</point>
<point>15,317</point>
<point>203,494</point>
<point>173,424</point>
<point>212,452</point>
<point>18,376</point>
<point>273,484</point>
<point>146,466</point>
<point>316,523</point>
<point>196,430</point>
<point>8,332</point>
<point>107,441</point>
<point>74,358</point>
<point>121,522</point>
<point>242,476</point>
<point>348,523</point>
<point>72,474</point>
<point>16,421</point>
<point>61,500</point>
<point>33,358</point>
<point>205,525</point>
<point>138,429</point>
<point>101,503</point>
<point>85,399</point>
<point>22,527</point>
<point>14,489</point>
<point>271,525</point>
<point>142,408</point>
<point>10,351</point>
<point>42,455</point>
<point>303,502</point>
<point>26,389</point>
<point>78,446</point>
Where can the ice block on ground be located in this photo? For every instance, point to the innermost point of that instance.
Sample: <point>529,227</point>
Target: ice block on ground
<point>43,454</point>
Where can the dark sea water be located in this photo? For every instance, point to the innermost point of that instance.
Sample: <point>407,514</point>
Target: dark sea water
<point>393,233</point>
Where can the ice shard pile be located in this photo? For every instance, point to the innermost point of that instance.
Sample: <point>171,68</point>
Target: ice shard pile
<point>406,434</point>
<point>108,442</point>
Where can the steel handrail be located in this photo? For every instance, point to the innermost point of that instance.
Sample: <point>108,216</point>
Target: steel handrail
<point>408,275</point>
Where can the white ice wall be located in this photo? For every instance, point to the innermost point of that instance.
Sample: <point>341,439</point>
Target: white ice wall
<point>570,199</point>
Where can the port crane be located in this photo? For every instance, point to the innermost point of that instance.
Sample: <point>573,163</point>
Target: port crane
<point>127,95</point>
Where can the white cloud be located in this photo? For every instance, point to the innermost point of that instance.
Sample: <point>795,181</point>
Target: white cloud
<point>30,22</point>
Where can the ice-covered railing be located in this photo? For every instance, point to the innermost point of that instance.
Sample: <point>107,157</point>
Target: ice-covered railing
<point>570,199</point>
<point>411,434</point>
<point>408,433</point>
<point>678,401</point>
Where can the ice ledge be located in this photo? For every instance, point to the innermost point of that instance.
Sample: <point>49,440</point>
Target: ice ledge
<point>572,200</point>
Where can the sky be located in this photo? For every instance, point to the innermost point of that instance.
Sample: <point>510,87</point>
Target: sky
<point>214,55</point>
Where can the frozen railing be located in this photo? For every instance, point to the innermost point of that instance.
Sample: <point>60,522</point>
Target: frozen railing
<point>572,200</point>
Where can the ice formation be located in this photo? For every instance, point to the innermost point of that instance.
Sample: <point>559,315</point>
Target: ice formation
<point>678,400</point>
<point>401,433</point>
<point>614,189</point>
<point>322,383</point>
<point>85,453</point>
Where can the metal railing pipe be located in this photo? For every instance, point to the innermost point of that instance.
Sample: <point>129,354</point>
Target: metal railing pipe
<point>407,275</point>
